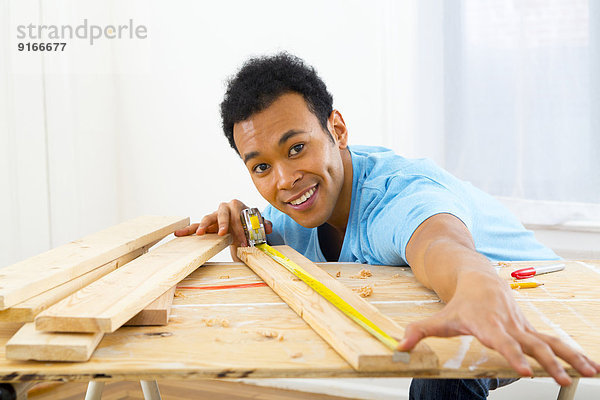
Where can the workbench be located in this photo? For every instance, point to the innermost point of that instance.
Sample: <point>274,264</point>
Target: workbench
<point>226,323</point>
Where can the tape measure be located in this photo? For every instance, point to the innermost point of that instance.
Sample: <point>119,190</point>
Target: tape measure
<point>254,228</point>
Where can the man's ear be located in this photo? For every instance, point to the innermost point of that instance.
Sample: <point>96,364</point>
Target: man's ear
<point>337,128</point>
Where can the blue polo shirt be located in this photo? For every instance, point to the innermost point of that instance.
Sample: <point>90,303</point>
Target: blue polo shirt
<point>392,196</point>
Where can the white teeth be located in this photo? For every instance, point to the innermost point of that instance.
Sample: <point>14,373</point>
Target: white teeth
<point>303,198</point>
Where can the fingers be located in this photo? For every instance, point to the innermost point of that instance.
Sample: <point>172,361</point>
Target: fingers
<point>580,362</point>
<point>188,230</point>
<point>510,348</point>
<point>268,226</point>
<point>543,348</point>
<point>225,220</point>
<point>229,221</point>
<point>436,325</point>
<point>208,224</point>
<point>542,352</point>
<point>223,217</point>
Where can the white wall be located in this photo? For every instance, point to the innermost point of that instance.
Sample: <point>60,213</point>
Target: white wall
<point>24,204</point>
<point>99,134</point>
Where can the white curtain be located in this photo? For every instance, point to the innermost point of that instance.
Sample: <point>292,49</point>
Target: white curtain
<point>520,101</point>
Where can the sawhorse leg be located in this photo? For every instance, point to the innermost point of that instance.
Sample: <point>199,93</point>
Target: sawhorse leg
<point>568,392</point>
<point>94,390</point>
<point>150,389</point>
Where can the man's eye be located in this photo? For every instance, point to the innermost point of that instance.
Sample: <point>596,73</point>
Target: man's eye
<point>260,168</point>
<point>296,149</point>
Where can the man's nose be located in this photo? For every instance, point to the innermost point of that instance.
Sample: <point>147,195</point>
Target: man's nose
<point>287,176</point>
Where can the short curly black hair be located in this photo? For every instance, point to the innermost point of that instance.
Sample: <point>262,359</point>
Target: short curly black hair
<point>262,80</point>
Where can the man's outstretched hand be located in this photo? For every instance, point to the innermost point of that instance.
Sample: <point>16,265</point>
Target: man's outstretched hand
<point>491,315</point>
<point>442,256</point>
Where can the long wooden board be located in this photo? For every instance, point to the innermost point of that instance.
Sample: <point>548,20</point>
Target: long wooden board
<point>155,313</point>
<point>27,310</point>
<point>109,302</point>
<point>361,350</point>
<point>35,275</point>
<point>30,344</point>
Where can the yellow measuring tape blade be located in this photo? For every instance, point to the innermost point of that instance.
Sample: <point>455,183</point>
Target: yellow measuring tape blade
<point>330,296</point>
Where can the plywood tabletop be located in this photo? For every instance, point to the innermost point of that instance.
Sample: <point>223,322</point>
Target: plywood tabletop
<point>226,323</point>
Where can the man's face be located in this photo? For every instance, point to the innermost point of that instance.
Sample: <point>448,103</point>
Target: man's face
<point>292,161</point>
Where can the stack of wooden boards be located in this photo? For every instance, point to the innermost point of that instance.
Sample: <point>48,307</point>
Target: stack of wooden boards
<point>77,292</point>
<point>69,297</point>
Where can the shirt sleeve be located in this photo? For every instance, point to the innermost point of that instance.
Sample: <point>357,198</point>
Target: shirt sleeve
<point>401,207</point>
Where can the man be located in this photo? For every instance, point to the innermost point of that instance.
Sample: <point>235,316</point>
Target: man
<point>333,202</point>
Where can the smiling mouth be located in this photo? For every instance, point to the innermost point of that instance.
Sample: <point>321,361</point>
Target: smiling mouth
<point>307,195</point>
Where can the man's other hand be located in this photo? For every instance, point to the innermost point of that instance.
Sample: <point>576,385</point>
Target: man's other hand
<point>226,219</point>
<point>490,313</point>
<point>442,256</point>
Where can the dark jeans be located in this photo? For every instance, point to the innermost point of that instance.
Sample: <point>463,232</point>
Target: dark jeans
<point>454,389</point>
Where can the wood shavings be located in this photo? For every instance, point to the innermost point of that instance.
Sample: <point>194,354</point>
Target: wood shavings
<point>338,274</point>
<point>503,264</point>
<point>178,293</point>
<point>363,274</point>
<point>364,291</point>
<point>215,321</point>
<point>395,276</point>
<point>271,335</point>
<point>224,277</point>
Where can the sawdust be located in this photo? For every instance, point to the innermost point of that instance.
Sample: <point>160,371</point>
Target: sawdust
<point>224,277</point>
<point>179,294</point>
<point>215,322</point>
<point>338,274</point>
<point>296,355</point>
<point>364,291</point>
<point>363,274</point>
<point>503,264</point>
<point>271,334</point>
<point>295,279</point>
<point>395,276</point>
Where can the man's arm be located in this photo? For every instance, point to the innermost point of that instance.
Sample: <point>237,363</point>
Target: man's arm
<point>442,255</point>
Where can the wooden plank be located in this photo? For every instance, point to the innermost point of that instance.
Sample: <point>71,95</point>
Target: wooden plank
<point>45,271</point>
<point>155,313</point>
<point>109,302</point>
<point>27,310</point>
<point>30,344</point>
<point>361,350</point>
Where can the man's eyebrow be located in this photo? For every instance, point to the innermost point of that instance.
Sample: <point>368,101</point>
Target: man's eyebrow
<point>282,140</point>
<point>250,155</point>
<point>289,134</point>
